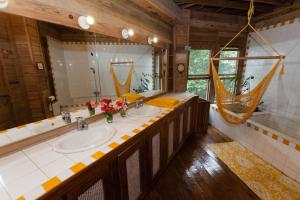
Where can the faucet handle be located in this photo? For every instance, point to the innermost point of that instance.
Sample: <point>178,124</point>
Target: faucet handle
<point>81,123</point>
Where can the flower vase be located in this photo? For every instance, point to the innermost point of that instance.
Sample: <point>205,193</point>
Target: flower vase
<point>123,113</point>
<point>91,111</point>
<point>109,117</point>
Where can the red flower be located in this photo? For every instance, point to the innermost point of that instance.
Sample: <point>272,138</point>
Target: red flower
<point>106,100</point>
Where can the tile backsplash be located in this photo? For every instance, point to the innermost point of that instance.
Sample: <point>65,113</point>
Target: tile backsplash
<point>282,96</point>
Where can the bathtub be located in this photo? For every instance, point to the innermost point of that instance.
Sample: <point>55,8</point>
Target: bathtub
<point>274,138</point>
<point>286,127</point>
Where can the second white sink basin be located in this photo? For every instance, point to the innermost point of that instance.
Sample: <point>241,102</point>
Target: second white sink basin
<point>77,141</point>
<point>144,111</point>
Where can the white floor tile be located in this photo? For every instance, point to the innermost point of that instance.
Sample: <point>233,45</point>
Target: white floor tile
<point>57,166</point>
<point>3,194</point>
<point>25,184</point>
<point>37,149</point>
<point>45,158</point>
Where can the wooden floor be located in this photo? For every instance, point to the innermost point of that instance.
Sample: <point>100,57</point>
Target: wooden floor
<point>195,173</point>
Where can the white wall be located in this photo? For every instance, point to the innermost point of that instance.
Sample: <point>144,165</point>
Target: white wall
<point>283,96</point>
<point>71,62</point>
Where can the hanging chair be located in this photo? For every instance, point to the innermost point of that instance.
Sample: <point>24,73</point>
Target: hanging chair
<point>119,87</point>
<point>244,103</point>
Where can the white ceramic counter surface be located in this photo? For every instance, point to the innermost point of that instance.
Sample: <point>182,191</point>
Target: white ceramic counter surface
<point>32,172</point>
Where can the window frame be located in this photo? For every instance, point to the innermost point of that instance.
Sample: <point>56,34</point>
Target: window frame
<point>209,94</point>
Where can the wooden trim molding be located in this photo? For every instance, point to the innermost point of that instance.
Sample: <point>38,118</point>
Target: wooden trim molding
<point>110,17</point>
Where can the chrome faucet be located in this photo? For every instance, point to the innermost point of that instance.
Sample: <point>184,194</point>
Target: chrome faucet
<point>81,124</point>
<point>66,116</point>
<point>139,103</point>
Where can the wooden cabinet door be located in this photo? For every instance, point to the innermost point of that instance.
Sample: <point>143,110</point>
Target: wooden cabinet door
<point>95,184</point>
<point>154,152</point>
<point>172,135</point>
<point>182,127</point>
<point>132,173</point>
<point>189,118</point>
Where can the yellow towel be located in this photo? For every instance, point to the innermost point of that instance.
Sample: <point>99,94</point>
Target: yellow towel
<point>164,102</point>
<point>131,97</point>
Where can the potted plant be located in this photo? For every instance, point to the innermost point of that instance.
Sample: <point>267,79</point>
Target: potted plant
<point>121,106</point>
<point>107,106</point>
<point>91,105</point>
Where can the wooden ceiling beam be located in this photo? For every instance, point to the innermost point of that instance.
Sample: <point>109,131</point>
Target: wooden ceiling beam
<point>188,5</point>
<point>167,10</point>
<point>111,16</point>
<point>272,2</point>
<point>218,17</point>
<point>242,5</point>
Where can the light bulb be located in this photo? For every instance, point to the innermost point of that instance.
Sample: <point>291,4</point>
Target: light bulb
<point>155,39</point>
<point>130,32</point>
<point>3,3</point>
<point>90,20</point>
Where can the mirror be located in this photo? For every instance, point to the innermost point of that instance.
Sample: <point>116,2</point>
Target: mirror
<point>47,68</point>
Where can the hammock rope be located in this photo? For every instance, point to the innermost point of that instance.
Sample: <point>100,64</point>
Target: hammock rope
<point>244,104</point>
<point>119,87</point>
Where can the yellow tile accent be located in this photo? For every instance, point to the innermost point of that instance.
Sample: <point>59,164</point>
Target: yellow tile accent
<point>3,132</point>
<point>152,121</point>
<point>158,117</point>
<point>145,125</point>
<point>297,147</point>
<point>38,122</point>
<point>286,142</point>
<point>78,167</point>
<point>21,198</point>
<point>113,145</point>
<point>136,131</point>
<point>265,132</point>
<point>51,118</point>
<point>98,155</point>
<point>126,137</point>
<point>275,137</point>
<point>51,183</point>
<point>22,126</point>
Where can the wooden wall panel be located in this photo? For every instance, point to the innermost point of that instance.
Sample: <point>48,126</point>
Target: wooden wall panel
<point>111,16</point>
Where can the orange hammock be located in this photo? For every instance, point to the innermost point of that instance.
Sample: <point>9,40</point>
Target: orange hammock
<point>119,87</point>
<point>244,104</point>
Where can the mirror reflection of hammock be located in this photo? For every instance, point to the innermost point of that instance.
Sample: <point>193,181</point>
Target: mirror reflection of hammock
<point>122,88</point>
<point>244,104</point>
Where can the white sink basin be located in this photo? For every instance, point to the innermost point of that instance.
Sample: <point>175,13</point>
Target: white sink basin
<point>77,141</point>
<point>144,111</point>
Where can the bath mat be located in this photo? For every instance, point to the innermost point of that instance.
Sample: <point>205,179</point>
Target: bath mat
<point>263,179</point>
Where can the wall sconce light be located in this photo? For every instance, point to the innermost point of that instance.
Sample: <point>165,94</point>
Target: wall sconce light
<point>85,22</point>
<point>3,3</point>
<point>126,33</point>
<point>152,40</point>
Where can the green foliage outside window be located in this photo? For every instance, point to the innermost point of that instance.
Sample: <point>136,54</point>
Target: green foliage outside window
<point>198,87</point>
<point>199,62</point>
<point>199,65</point>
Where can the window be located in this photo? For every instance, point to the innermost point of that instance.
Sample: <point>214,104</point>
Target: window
<point>198,79</point>
<point>228,68</point>
<point>198,75</point>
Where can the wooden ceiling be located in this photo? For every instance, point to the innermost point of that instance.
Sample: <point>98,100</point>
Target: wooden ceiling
<point>232,7</point>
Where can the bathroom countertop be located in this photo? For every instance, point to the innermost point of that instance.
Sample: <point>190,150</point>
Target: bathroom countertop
<point>31,172</point>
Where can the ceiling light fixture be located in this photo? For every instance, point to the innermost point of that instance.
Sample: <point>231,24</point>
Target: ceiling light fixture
<point>152,40</point>
<point>3,3</point>
<point>126,33</point>
<point>85,22</point>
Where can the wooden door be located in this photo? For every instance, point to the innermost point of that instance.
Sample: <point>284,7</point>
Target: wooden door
<point>6,109</point>
<point>172,135</point>
<point>96,183</point>
<point>154,152</point>
<point>132,173</point>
